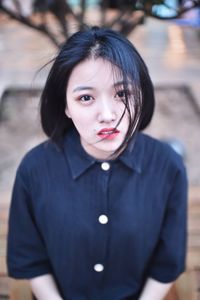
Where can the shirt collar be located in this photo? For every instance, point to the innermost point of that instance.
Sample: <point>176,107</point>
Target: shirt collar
<point>79,161</point>
<point>133,154</point>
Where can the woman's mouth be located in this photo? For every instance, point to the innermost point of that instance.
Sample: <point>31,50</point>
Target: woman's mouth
<point>108,133</point>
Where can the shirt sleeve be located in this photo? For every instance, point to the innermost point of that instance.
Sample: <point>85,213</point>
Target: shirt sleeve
<point>168,260</point>
<point>26,253</point>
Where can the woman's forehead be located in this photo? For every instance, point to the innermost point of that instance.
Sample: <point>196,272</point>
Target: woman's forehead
<point>92,70</point>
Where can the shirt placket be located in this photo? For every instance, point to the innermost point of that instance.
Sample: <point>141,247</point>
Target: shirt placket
<point>102,221</point>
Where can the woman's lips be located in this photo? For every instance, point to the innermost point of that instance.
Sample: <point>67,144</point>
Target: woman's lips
<point>108,133</point>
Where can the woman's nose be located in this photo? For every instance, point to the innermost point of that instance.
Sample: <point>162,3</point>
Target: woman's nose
<point>107,112</point>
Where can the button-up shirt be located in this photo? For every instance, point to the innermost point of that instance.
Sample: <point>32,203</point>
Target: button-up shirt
<point>101,228</point>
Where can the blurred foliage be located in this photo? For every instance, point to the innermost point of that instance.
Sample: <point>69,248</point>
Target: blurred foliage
<point>53,17</point>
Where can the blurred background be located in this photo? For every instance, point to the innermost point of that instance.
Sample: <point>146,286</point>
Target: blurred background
<point>167,35</point>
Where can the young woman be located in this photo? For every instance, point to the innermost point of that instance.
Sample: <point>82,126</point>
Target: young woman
<point>99,209</point>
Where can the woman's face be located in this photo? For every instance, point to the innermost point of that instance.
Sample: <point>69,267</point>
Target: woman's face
<point>95,104</point>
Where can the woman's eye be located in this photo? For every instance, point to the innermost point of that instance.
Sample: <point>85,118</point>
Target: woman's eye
<point>85,98</point>
<point>122,94</point>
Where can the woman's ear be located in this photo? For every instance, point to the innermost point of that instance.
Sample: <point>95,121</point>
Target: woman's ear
<point>67,113</point>
<point>67,110</point>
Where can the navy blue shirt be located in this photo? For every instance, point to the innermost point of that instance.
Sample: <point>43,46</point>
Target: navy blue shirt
<point>101,228</point>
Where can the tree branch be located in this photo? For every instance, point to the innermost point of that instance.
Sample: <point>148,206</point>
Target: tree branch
<point>17,6</point>
<point>125,20</point>
<point>116,19</point>
<point>41,28</point>
<point>82,14</point>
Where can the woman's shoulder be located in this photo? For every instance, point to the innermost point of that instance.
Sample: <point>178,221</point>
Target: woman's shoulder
<point>160,151</point>
<point>38,155</point>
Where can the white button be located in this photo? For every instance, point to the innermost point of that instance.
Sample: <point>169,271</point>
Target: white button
<point>98,267</point>
<point>105,166</point>
<point>103,219</point>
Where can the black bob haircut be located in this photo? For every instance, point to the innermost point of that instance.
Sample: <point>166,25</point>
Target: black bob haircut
<point>97,43</point>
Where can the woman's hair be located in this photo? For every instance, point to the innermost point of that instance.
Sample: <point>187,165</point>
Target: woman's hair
<point>111,46</point>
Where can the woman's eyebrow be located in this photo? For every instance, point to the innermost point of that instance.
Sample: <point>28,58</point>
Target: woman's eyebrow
<point>118,83</point>
<point>82,88</point>
<point>122,82</point>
